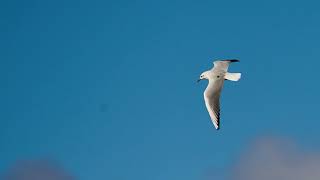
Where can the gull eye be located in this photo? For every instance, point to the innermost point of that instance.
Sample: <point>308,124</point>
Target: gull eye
<point>218,76</point>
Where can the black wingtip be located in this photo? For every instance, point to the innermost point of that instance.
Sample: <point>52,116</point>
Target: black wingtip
<point>231,60</point>
<point>234,60</point>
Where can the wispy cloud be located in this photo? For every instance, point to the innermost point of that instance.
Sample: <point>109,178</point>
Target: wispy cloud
<point>36,170</point>
<point>274,158</point>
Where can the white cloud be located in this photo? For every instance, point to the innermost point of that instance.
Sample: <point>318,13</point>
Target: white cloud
<point>36,170</point>
<point>273,158</point>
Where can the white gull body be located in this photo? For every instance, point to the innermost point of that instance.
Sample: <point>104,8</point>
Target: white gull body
<point>216,76</point>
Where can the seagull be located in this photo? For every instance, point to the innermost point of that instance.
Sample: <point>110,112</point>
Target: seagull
<point>216,77</point>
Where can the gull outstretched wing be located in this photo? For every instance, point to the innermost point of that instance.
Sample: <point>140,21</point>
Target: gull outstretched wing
<point>223,64</point>
<point>212,100</point>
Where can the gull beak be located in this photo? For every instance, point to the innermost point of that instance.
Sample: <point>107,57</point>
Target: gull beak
<point>198,80</point>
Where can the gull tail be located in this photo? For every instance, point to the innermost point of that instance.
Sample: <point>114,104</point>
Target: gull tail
<point>232,76</point>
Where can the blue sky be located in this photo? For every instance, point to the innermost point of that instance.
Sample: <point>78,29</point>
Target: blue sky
<point>108,88</point>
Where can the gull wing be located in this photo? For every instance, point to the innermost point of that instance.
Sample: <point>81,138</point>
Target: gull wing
<point>223,64</point>
<point>212,100</point>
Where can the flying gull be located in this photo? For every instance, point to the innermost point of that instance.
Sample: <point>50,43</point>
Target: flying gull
<point>216,77</point>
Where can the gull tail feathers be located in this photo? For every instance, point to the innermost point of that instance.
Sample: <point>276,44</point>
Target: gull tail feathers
<point>232,76</point>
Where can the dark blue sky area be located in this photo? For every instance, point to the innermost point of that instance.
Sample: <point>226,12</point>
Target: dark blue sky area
<point>108,88</point>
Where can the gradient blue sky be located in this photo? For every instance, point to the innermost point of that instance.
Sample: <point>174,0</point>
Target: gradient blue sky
<point>107,88</point>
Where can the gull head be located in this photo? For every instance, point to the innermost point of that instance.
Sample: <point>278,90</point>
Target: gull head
<point>204,75</point>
